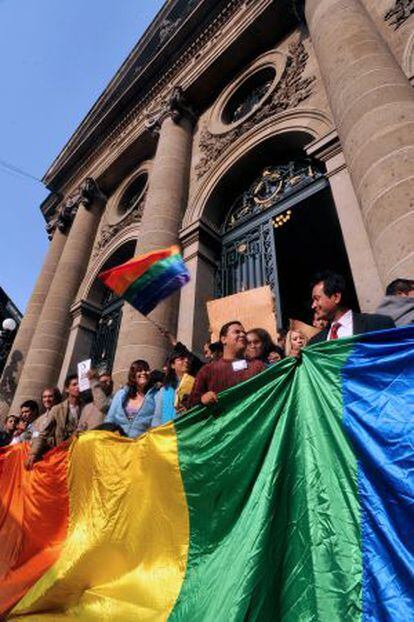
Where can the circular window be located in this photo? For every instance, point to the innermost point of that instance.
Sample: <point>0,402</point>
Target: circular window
<point>132,195</point>
<point>248,95</point>
<point>250,90</point>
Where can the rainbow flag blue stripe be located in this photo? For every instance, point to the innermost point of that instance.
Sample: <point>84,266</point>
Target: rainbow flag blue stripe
<point>378,416</point>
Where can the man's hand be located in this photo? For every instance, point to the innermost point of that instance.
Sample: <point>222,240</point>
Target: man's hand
<point>29,462</point>
<point>209,398</point>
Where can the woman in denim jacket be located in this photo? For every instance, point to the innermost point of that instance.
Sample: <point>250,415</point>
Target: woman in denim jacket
<point>133,405</point>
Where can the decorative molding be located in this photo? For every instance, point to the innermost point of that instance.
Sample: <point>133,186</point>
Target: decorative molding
<point>87,193</point>
<point>116,134</point>
<point>290,91</point>
<point>174,106</point>
<point>170,25</point>
<point>108,232</point>
<point>399,13</point>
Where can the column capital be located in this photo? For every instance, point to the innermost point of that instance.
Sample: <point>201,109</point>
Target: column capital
<point>175,107</point>
<point>87,193</point>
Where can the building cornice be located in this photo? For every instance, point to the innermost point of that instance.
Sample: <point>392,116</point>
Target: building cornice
<point>102,128</point>
<point>137,75</point>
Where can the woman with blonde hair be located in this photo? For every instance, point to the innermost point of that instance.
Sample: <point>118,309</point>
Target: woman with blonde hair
<point>296,340</point>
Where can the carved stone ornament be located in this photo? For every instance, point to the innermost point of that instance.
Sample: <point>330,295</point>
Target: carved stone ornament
<point>174,106</point>
<point>86,194</point>
<point>170,24</point>
<point>290,91</point>
<point>108,232</point>
<point>399,13</point>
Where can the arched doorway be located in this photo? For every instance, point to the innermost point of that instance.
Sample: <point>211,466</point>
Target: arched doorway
<point>279,230</point>
<point>105,337</point>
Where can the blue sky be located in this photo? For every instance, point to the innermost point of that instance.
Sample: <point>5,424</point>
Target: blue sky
<point>56,57</point>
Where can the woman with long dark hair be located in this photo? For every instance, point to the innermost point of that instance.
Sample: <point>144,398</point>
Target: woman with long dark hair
<point>171,400</point>
<point>259,345</point>
<point>133,405</point>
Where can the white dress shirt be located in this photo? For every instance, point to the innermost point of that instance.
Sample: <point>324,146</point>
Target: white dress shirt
<point>346,328</point>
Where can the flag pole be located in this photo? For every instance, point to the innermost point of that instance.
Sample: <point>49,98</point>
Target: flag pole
<point>164,332</point>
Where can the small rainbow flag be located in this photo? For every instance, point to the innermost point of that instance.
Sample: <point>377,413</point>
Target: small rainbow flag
<point>145,280</point>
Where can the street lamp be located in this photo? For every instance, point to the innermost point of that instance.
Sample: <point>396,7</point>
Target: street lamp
<point>9,324</point>
<point>6,339</point>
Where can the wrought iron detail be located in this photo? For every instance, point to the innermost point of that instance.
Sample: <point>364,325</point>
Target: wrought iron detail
<point>399,13</point>
<point>106,336</point>
<point>248,96</point>
<point>273,185</point>
<point>247,262</point>
<point>269,258</point>
<point>290,91</point>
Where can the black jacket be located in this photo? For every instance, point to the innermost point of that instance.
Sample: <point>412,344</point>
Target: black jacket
<point>363,323</point>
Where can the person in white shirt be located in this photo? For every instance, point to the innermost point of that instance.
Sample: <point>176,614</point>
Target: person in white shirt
<point>329,302</point>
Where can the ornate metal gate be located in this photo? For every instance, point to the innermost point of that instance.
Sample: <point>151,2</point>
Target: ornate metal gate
<point>249,254</point>
<point>106,336</point>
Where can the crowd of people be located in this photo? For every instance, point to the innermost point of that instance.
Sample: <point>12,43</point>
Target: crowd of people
<point>153,397</point>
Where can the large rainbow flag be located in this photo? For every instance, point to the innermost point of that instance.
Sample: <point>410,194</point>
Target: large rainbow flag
<point>291,501</point>
<point>145,280</point>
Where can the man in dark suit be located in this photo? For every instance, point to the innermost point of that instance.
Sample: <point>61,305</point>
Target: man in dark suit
<point>329,302</point>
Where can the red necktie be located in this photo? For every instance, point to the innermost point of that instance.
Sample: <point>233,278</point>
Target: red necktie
<point>334,330</point>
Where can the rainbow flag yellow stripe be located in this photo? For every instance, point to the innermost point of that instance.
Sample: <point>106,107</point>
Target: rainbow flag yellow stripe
<point>125,550</point>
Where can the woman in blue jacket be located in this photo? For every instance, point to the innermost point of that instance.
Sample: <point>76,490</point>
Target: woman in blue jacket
<point>133,405</point>
<point>172,398</point>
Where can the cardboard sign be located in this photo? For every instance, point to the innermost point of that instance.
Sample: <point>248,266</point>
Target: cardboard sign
<point>306,329</point>
<point>83,368</point>
<point>254,308</point>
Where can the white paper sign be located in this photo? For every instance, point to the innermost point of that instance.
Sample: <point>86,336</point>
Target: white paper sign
<point>239,365</point>
<point>83,368</point>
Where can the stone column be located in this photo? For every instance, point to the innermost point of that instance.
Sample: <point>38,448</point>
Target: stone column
<point>161,221</point>
<point>358,247</point>
<point>200,249</point>
<point>21,344</point>
<point>49,341</point>
<point>373,107</point>
<point>84,321</point>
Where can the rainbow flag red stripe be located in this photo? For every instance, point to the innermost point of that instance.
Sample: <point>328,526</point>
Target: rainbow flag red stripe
<point>145,280</point>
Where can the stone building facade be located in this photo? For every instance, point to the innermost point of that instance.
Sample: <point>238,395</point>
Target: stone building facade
<point>269,138</point>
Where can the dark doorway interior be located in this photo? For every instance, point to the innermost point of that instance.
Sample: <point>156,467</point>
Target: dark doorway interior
<point>103,347</point>
<point>308,242</point>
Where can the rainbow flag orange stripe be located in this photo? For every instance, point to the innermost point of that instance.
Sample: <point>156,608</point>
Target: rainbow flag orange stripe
<point>34,513</point>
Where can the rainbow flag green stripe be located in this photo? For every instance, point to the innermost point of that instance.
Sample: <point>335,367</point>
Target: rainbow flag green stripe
<point>291,500</point>
<point>278,537</point>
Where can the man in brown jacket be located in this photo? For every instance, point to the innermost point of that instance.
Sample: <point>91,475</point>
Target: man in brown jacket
<point>62,422</point>
<point>94,413</point>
